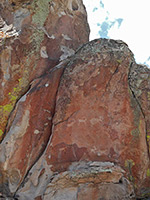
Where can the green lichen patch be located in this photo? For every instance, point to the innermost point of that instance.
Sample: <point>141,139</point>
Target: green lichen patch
<point>148,96</point>
<point>129,164</point>
<point>148,173</point>
<point>41,11</point>
<point>7,108</point>
<point>1,132</point>
<point>148,138</point>
<point>13,95</point>
<point>119,61</point>
<point>136,115</point>
<point>41,8</point>
<point>4,113</point>
<point>16,92</point>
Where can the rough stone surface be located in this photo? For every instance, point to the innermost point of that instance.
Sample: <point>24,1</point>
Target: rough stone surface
<point>49,31</point>
<point>77,124</point>
<point>90,181</point>
<point>65,134</point>
<point>97,116</point>
<point>139,81</point>
<point>29,127</point>
<point>82,180</point>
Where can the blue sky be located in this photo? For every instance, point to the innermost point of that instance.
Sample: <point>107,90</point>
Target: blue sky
<point>127,20</point>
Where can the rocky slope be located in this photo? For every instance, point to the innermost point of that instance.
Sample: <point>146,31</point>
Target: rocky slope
<point>75,123</point>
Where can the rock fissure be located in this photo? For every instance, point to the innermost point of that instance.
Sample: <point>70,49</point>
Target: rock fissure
<point>134,96</point>
<point>140,107</point>
<point>63,65</point>
<point>138,103</point>
<point>130,80</point>
<point>108,83</point>
<point>65,120</point>
<point>51,131</point>
<point>13,114</point>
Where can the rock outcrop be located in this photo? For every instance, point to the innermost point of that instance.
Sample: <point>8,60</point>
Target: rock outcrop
<point>77,122</point>
<point>46,32</point>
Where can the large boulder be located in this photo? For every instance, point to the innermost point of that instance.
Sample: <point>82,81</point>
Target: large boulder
<point>80,131</point>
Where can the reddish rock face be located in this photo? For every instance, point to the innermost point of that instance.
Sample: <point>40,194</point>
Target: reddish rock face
<point>139,81</point>
<point>97,116</point>
<point>48,32</point>
<point>77,130</point>
<point>76,126</point>
<point>29,127</point>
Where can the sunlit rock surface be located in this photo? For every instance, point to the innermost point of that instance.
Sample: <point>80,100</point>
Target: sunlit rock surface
<point>76,127</point>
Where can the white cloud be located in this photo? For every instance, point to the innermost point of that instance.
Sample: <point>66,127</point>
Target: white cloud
<point>134,29</point>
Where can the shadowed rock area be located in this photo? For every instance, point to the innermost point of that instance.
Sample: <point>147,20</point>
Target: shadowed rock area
<point>75,115</point>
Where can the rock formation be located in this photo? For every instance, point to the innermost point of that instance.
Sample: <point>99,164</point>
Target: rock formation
<point>49,31</point>
<point>75,121</point>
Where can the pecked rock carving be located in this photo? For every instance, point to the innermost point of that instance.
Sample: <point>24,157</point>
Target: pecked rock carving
<point>74,119</point>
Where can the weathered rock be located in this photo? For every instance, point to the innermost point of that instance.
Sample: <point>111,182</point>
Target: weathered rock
<point>139,81</point>
<point>29,128</point>
<point>76,130</point>
<point>49,31</point>
<point>90,182</point>
<point>97,117</point>
<point>74,123</point>
<point>82,180</point>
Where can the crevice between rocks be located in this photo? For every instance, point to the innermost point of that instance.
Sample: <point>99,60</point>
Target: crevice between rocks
<point>7,127</point>
<point>139,105</point>
<point>50,136</point>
